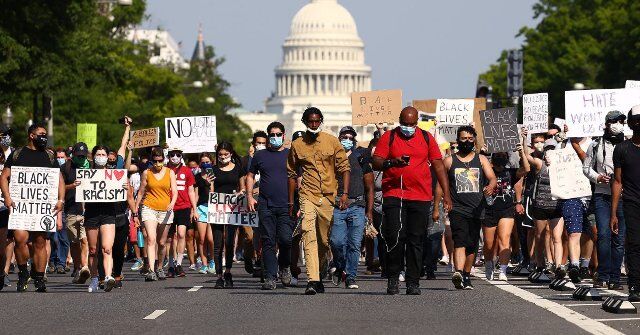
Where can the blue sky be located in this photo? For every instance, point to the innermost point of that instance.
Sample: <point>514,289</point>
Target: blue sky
<point>429,49</point>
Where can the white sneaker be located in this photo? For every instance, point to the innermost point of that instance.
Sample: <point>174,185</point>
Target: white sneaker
<point>401,277</point>
<point>444,260</point>
<point>488,269</point>
<point>502,277</point>
<point>93,285</point>
<point>109,283</point>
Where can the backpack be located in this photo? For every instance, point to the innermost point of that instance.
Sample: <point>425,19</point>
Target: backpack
<point>52,156</point>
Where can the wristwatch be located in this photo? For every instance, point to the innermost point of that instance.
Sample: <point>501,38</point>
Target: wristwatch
<point>519,202</point>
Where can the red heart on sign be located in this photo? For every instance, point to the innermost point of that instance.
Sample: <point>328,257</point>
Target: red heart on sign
<point>118,174</point>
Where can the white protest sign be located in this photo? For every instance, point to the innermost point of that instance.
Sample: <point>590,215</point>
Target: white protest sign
<point>585,110</point>
<point>101,185</point>
<point>535,115</point>
<point>231,209</point>
<point>632,84</point>
<point>449,132</point>
<point>567,181</point>
<point>192,134</point>
<point>34,191</point>
<point>559,122</point>
<point>455,111</point>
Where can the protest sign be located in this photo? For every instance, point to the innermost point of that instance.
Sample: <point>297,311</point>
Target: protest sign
<point>448,132</point>
<point>375,106</point>
<point>34,191</point>
<point>143,138</point>
<point>632,84</point>
<point>101,185</point>
<point>559,122</point>
<point>231,209</point>
<point>87,133</point>
<point>535,109</point>
<point>192,134</point>
<point>455,111</point>
<point>585,110</point>
<point>500,128</point>
<point>564,173</point>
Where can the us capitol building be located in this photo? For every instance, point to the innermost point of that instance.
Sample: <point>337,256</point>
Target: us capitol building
<point>322,63</point>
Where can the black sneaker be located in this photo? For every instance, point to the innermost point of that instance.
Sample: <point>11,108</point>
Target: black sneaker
<point>615,287</point>
<point>23,281</point>
<point>228,280</point>
<point>311,288</point>
<point>219,283</point>
<point>269,285</point>
<point>171,273</point>
<point>574,274</point>
<point>457,280</point>
<point>320,287</point>
<point>248,266</point>
<point>466,282</point>
<point>413,289</point>
<point>40,284</point>
<point>560,272</point>
<point>337,277</point>
<point>180,272</point>
<point>634,294</point>
<point>599,284</point>
<point>584,273</point>
<point>393,286</point>
<point>351,284</point>
<point>431,275</point>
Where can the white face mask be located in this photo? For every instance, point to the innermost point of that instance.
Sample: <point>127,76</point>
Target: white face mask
<point>260,147</point>
<point>101,160</point>
<point>224,160</point>
<point>314,131</point>
<point>539,146</point>
<point>176,160</point>
<point>616,128</point>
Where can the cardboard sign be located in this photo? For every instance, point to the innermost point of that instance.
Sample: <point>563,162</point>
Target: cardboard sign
<point>231,209</point>
<point>564,172</point>
<point>87,133</point>
<point>455,111</point>
<point>500,128</point>
<point>193,134</point>
<point>536,112</point>
<point>585,110</point>
<point>632,84</point>
<point>101,185</point>
<point>375,106</point>
<point>143,138</point>
<point>559,122</point>
<point>448,132</point>
<point>34,190</point>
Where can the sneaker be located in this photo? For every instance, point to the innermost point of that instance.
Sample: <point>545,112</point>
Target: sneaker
<point>337,277</point>
<point>634,294</point>
<point>401,277</point>
<point>180,272</point>
<point>561,272</point>
<point>198,263</point>
<point>6,282</point>
<point>193,267</point>
<point>351,284</point>
<point>160,274</point>
<point>599,284</point>
<point>171,273</point>
<point>311,288</point>
<point>118,283</point>
<point>488,270</point>
<point>165,264</point>
<point>50,269</point>
<point>228,280</point>
<point>457,279</point>
<point>137,265</point>
<point>444,260</point>
<point>219,283</point>
<point>584,273</point>
<point>615,287</point>
<point>320,287</point>
<point>393,286</point>
<point>269,285</point>
<point>40,284</point>
<point>203,270</point>
<point>430,275</point>
<point>84,275</point>
<point>151,276</point>
<point>248,266</point>
<point>467,283</point>
<point>574,274</point>
<point>93,285</point>
<point>60,270</point>
<point>23,281</point>
<point>413,289</point>
<point>144,270</point>
<point>294,282</point>
<point>503,277</point>
<point>109,283</point>
<point>285,277</point>
<point>212,267</point>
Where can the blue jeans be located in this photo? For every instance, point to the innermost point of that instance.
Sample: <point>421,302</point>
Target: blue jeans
<point>346,239</point>
<point>610,246</point>
<point>275,227</point>
<point>59,247</point>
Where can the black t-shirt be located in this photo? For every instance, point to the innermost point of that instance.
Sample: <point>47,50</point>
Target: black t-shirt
<point>68,171</point>
<point>203,187</point>
<point>227,181</point>
<point>504,196</point>
<point>626,156</point>
<point>31,158</point>
<point>360,163</point>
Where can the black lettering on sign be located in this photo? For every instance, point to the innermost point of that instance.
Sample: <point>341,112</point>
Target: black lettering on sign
<point>500,129</point>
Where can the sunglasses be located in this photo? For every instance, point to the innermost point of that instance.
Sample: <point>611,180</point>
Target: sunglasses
<point>276,135</point>
<point>175,154</point>
<point>158,160</point>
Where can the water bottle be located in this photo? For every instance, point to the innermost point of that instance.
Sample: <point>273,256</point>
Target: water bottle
<point>140,239</point>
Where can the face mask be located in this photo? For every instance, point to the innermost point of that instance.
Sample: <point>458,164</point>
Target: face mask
<point>347,144</point>
<point>101,160</point>
<point>560,137</point>
<point>175,160</point>
<point>195,171</point>
<point>40,142</point>
<point>5,141</point>
<point>81,162</point>
<point>276,142</point>
<point>315,132</point>
<point>61,161</point>
<point>205,166</point>
<point>224,160</point>
<point>465,147</point>
<point>539,146</point>
<point>158,165</point>
<point>260,147</point>
<point>407,131</point>
<point>616,128</point>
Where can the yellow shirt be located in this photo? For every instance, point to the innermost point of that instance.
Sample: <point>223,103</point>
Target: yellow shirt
<point>158,191</point>
<point>318,161</point>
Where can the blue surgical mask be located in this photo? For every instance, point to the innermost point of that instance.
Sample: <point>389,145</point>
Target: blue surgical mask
<point>205,166</point>
<point>407,130</point>
<point>347,144</point>
<point>61,161</point>
<point>276,142</point>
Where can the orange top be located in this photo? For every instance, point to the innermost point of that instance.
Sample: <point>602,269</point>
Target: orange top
<point>158,191</point>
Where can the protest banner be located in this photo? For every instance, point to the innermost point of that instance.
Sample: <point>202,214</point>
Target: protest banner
<point>564,173</point>
<point>632,84</point>
<point>559,122</point>
<point>535,114</point>
<point>231,209</point>
<point>87,133</point>
<point>193,134</point>
<point>375,106</point>
<point>455,111</point>
<point>448,132</point>
<point>500,129</point>
<point>430,107</point>
<point>101,185</point>
<point>585,110</point>
<point>34,191</point>
<point>143,138</point>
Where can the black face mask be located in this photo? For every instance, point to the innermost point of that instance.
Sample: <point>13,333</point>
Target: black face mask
<point>466,147</point>
<point>614,139</point>
<point>40,142</point>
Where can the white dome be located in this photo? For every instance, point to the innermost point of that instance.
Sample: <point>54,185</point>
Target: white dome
<point>324,19</point>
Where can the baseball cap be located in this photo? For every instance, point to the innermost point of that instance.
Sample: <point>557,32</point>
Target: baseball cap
<point>614,116</point>
<point>348,129</point>
<point>297,135</point>
<point>80,149</point>
<point>174,149</point>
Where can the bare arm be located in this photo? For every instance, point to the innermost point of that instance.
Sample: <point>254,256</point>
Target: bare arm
<point>131,200</point>
<point>4,186</point>
<point>575,143</point>
<point>489,174</point>
<point>143,188</point>
<point>369,191</point>
<point>174,190</point>
<point>443,181</point>
<point>616,191</point>
<point>125,137</point>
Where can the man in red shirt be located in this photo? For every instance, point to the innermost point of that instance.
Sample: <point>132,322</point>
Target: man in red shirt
<point>406,155</point>
<point>184,212</point>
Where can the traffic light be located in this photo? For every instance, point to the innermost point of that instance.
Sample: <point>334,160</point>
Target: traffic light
<point>484,90</point>
<point>47,107</point>
<point>515,61</point>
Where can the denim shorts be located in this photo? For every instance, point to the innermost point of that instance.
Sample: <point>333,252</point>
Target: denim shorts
<point>159,217</point>
<point>203,213</point>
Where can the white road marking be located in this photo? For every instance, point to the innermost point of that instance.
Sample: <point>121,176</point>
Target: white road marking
<point>194,289</point>
<point>587,324</point>
<point>155,314</point>
<point>621,319</point>
<point>578,305</point>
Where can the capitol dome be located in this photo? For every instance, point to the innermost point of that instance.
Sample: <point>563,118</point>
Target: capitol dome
<point>324,19</point>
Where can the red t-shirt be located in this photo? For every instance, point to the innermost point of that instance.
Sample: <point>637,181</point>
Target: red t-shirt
<point>184,179</point>
<point>416,178</point>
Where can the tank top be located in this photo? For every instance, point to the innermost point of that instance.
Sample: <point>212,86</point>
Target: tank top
<point>158,192</point>
<point>466,181</point>
<point>542,190</point>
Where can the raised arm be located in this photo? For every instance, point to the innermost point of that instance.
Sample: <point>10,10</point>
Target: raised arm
<point>125,136</point>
